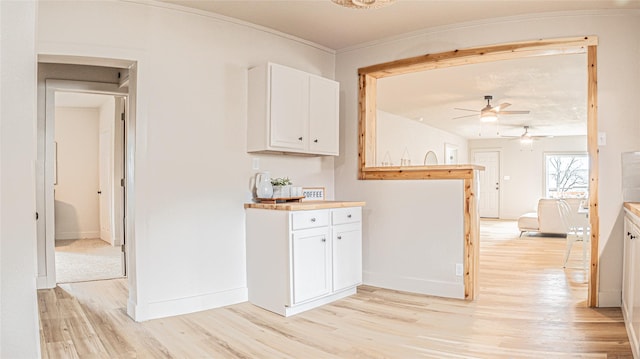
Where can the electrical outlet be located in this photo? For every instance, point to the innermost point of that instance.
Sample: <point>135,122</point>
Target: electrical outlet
<point>459,269</point>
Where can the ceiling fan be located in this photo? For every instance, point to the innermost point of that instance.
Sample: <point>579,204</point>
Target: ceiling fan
<point>526,137</point>
<point>490,113</point>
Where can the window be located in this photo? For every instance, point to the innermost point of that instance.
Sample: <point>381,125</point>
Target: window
<point>567,175</point>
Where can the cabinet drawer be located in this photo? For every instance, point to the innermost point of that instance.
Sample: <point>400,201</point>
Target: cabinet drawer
<point>346,215</point>
<point>309,219</point>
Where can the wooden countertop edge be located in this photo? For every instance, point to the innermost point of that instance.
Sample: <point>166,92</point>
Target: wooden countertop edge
<point>633,207</point>
<point>425,168</point>
<point>304,206</point>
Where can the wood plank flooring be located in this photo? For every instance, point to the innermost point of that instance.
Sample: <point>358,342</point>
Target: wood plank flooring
<point>528,307</point>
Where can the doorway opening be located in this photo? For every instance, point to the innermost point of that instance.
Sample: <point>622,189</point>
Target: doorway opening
<point>369,168</point>
<point>88,197</point>
<point>60,76</point>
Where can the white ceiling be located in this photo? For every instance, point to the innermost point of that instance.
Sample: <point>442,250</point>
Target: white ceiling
<point>337,27</point>
<point>553,88</point>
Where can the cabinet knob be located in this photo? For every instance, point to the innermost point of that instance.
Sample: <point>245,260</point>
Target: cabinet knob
<point>299,138</point>
<point>632,236</point>
<point>348,216</point>
<point>324,239</point>
<point>313,219</point>
<point>316,140</point>
<point>339,237</point>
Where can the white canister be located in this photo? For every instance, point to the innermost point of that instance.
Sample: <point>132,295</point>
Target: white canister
<point>264,189</point>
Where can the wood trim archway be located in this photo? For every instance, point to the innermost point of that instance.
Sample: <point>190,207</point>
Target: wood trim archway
<point>367,169</point>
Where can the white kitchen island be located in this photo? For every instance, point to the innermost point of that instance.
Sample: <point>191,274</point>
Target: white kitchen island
<point>303,255</point>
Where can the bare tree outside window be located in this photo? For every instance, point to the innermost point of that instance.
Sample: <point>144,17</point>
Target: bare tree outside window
<point>567,175</point>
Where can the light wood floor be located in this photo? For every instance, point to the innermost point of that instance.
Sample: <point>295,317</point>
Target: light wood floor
<point>529,307</point>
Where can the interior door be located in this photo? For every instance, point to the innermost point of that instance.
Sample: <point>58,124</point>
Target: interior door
<point>489,181</point>
<point>120,158</point>
<point>104,185</point>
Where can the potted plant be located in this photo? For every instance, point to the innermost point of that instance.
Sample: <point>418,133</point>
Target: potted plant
<point>281,187</point>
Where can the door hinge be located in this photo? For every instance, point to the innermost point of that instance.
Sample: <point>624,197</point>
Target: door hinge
<point>37,216</point>
<point>122,182</point>
<point>122,116</point>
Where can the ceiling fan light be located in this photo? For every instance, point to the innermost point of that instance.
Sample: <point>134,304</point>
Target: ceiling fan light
<point>363,4</point>
<point>526,139</point>
<point>488,116</point>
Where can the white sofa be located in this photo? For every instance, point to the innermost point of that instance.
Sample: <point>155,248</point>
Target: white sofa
<point>547,219</point>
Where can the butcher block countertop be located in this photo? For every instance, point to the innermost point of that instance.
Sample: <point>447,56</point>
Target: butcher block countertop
<point>304,206</point>
<point>634,207</point>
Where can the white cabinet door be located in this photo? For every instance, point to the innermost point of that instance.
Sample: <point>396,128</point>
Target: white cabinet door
<point>630,282</point>
<point>627,272</point>
<point>347,256</point>
<point>311,264</point>
<point>635,278</point>
<point>323,116</point>
<point>289,108</point>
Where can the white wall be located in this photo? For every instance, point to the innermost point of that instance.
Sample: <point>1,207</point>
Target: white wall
<point>192,172</point>
<point>525,168</point>
<point>396,133</point>
<point>19,337</point>
<point>76,198</point>
<point>618,90</point>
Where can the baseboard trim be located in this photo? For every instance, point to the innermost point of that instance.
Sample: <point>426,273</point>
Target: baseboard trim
<point>611,298</point>
<point>415,285</point>
<point>43,282</point>
<point>78,235</point>
<point>169,308</point>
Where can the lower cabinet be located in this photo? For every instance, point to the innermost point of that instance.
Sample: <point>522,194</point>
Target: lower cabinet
<point>347,256</point>
<point>631,281</point>
<point>311,267</point>
<point>298,260</point>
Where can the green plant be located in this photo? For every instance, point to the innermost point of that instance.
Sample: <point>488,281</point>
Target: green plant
<point>281,181</point>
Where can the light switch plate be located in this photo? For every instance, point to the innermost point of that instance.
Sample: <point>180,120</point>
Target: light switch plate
<point>602,138</point>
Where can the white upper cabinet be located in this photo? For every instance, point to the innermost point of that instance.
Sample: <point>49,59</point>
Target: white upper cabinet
<point>292,111</point>
<point>323,116</point>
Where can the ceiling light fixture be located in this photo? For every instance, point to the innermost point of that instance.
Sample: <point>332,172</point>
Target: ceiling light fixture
<point>488,116</point>
<point>364,4</point>
<point>526,138</point>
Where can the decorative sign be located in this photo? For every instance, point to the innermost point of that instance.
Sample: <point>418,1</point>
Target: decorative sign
<point>313,193</point>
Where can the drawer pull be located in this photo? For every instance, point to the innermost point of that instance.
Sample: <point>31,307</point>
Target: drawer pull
<point>313,219</point>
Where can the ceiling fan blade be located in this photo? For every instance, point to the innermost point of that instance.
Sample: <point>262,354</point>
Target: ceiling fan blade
<point>455,118</point>
<point>501,106</point>
<point>549,136</point>
<point>514,112</point>
<point>466,109</point>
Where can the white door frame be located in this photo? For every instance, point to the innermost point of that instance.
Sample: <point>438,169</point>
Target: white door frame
<point>499,150</point>
<point>51,87</point>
